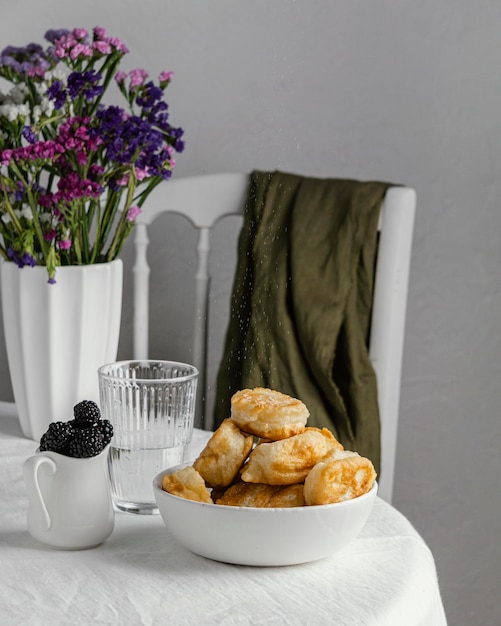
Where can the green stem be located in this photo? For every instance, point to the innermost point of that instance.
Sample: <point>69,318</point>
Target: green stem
<point>109,68</point>
<point>95,249</point>
<point>141,197</point>
<point>114,248</point>
<point>106,223</point>
<point>10,211</point>
<point>36,222</point>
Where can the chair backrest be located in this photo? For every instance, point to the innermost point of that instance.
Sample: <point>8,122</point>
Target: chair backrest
<point>205,200</point>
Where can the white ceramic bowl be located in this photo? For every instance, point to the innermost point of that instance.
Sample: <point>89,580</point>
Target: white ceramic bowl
<point>253,536</point>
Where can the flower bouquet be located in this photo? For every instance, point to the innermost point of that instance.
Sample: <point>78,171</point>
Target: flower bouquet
<point>75,172</point>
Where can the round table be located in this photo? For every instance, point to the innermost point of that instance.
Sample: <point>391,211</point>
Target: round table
<point>142,576</point>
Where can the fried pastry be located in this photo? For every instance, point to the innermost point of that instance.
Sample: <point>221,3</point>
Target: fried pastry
<point>290,460</point>
<point>263,496</point>
<point>343,476</point>
<point>268,414</point>
<point>224,455</point>
<point>186,483</point>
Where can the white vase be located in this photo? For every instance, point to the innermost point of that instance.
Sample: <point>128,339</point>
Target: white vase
<point>57,335</point>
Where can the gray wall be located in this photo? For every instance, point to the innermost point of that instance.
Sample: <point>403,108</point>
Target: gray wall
<point>402,91</point>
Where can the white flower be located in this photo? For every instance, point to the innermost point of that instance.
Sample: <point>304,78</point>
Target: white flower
<point>47,106</point>
<point>41,88</point>
<point>25,212</point>
<point>36,114</point>
<point>49,78</point>
<point>6,218</point>
<point>57,74</point>
<point>12,111</point>
<point>18,94</point>
<point>48,218</point>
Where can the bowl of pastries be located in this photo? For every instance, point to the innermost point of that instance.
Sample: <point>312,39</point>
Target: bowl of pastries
<point>267,490</point>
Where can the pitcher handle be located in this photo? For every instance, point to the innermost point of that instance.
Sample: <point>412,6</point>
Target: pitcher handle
<point>30,472</point>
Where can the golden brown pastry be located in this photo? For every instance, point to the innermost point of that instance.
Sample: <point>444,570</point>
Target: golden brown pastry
<point>263,496</point>
<point>268,414</point>
<point>224,454</point>
<point>290,460</point>
<point>186,483</point>
<point>343,475</point>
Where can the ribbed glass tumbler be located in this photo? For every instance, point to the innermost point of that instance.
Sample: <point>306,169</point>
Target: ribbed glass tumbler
<point>151,405</point>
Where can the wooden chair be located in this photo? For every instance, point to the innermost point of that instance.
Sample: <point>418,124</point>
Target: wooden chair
<point>206,199</point>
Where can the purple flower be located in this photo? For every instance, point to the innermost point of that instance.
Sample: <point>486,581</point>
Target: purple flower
<point>149,96</point>
<point>29,135</point>
<point>53,35</point>
<point>84,84</point>
<point>80,149</point>
<point>21,258</point>
<point>17,63</point>
<point>20,192</point>
<point>57,93</point>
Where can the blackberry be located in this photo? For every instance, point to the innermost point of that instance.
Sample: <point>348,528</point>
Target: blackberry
<point>57,437</point>
<point>86,442</point>
<point>86,413</point>
<point>106,430</point>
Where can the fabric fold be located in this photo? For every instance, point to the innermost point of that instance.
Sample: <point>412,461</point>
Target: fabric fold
<point>301,302</point>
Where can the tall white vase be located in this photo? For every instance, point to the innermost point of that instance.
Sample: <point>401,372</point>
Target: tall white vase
<point>57,336</point>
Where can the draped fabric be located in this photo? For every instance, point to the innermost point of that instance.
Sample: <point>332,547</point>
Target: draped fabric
<point>301,302</point>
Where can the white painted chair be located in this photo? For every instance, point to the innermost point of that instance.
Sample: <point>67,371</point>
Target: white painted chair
<point>204,200</point>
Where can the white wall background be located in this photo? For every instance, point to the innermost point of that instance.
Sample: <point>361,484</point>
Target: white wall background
<point>397,90</point>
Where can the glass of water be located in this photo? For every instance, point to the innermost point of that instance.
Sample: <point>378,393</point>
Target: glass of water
<point>151,405</point>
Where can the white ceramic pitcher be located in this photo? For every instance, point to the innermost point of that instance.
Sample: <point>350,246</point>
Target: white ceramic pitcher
<point>70,499</point>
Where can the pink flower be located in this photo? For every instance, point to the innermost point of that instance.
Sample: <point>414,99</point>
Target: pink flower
<point>141,174</point>
<point>81,132</point>
<point>80,33</point>
<point>81,157</point>
<point>64,244</point>
<point>165,77</point>
<point>100,33</point>
<point>36,71</point>
<point>80,50</point>
<point>137,77</point>
<point>120,77</point>
<point>96,170</point>
<point>50,235</point>
<point>133,212</point>
<point>6,157</point>
<point>102,46</point>
<point>123,181</point>
<point>118,44</point>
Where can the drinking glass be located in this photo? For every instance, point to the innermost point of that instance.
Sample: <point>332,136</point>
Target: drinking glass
<point>151,405</point>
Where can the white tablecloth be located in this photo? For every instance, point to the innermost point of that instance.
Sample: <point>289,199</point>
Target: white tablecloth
<point>142,576</point>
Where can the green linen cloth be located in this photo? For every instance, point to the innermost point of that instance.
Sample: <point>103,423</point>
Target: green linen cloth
<point>301,302</point>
